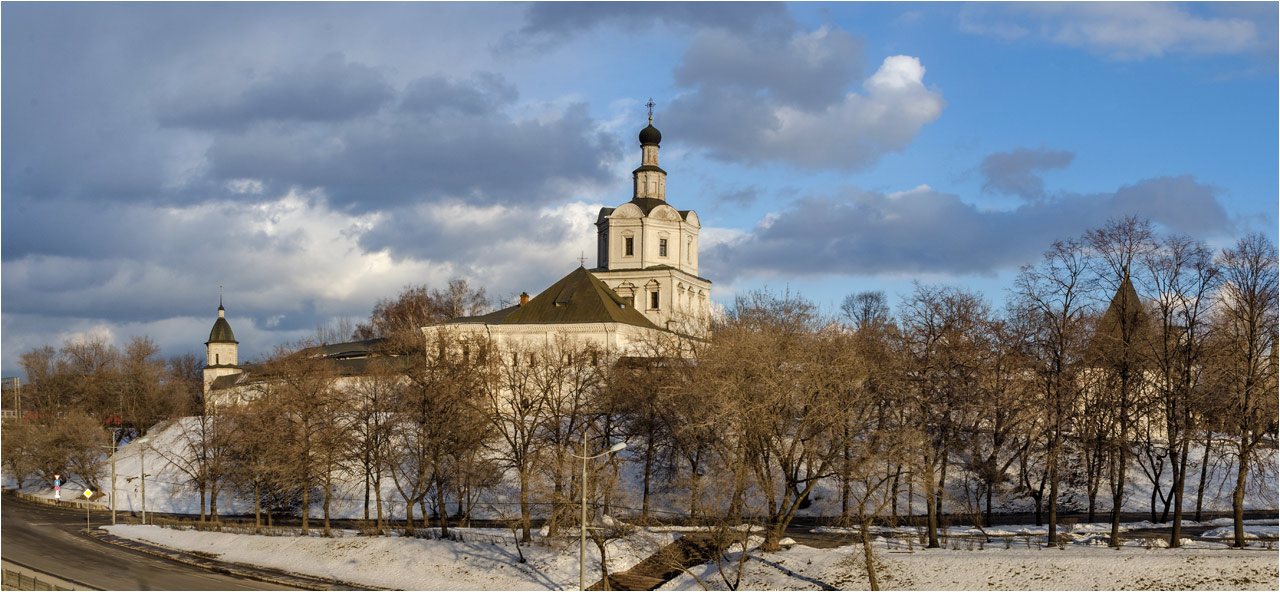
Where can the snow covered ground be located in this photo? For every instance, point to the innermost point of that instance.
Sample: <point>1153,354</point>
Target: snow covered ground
<point>997,568</point>
<point>487,559</point>
<point>1257,529</point>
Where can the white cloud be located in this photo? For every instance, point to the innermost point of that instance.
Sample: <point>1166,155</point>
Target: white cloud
<point>856,131</point>
<point>1120,30</point>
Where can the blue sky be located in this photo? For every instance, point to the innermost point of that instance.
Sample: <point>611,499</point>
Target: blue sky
<point>314,158</point>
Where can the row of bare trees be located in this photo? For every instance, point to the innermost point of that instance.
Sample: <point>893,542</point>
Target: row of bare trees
<point>1120,349</point>
<point>85,398</point>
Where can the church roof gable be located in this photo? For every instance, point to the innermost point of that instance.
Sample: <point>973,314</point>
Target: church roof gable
<point>577,298</point>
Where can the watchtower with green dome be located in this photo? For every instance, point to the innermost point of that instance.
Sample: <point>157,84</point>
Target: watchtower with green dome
<point>221,349</point>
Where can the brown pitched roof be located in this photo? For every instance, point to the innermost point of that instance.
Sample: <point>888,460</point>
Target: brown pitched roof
<point>577,298</point>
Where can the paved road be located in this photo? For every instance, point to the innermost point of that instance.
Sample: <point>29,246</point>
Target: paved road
<point>46,538</point>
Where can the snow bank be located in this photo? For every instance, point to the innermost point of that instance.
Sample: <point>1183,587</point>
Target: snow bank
<point>488,560</point>
<point>996,568</point>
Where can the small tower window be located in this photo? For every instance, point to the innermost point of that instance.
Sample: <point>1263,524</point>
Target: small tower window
<point>629,246</point>
<point>662,247</point>
<point>653,299</point>
<point>216,359</point>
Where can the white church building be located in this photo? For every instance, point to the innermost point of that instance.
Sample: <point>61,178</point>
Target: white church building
<point>645,285</point>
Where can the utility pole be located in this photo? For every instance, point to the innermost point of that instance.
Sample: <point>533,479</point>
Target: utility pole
<point>582,547</point>
<point>115,437</point>
<point>142,466</point>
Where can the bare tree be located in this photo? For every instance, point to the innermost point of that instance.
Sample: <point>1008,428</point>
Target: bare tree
<point>1183,279</point>
<point>777,365</point>
<point>1118,343</point>
<point>942,328</point>
<point>419,306</point>
<point>999,434</point>
<point>1246,344</point>
<point>301,384</point>
<point>1053,293</point>
<point>567,377</point>
<point>517,410</point>
<point>372,394</point>
<point>437,418</point>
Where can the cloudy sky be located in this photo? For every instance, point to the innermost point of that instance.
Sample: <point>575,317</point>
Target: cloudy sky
<point>313,158</point>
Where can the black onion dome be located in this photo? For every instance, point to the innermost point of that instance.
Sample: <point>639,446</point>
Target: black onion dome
<point>650,135</point>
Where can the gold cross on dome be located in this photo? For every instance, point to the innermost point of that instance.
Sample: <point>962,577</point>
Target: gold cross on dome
<point>650,106</point>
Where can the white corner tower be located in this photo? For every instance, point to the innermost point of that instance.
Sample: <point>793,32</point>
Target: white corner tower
<point>220,350</point>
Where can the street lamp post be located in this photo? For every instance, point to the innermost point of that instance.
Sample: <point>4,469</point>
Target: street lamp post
<point>112,448</point>
<point>142,468</point>
<point>582,547</point>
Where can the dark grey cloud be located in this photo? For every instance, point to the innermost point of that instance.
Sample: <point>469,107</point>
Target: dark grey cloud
<point>924,231</point>
<point>742,197</point>
<point>155,151</point>
<point>1014,172</point>
<point>330,89</point>
<point>550,23</point>
<point>458,232</point>
<point>484,95</point>
<point>803,71</point>
<point>397,158</point>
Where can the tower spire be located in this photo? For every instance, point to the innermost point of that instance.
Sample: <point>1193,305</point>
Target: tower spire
<point>650,180</point>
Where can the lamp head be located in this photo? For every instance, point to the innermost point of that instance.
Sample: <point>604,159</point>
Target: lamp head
<point>618,446</point>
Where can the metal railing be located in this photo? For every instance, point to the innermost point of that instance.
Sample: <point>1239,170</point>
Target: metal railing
<point>16,580</point>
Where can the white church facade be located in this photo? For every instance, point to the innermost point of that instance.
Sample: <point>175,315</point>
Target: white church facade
<point>644,287</point>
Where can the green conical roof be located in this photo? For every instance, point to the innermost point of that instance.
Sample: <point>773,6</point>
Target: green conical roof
<point>221,332</point>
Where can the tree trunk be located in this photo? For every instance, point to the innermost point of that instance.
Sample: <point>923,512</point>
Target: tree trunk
<point>931,508</point>
<point>893,497</point>
<point>1237,496</point>
<point>1204,472</point>
<point>366,485</point>
<point>1117,494</point>
<point>525,534</point>
<point>1053,492</point>
<point>257,508</point>
<point>408,517</point>
<point>443,510</point>
<point>306,511</point>
<point>941,490</point>
<point>868,556</point>
<point>988,518</point>
<point>328,495</point>
<point>213,504</point>
<point>1179,484</point>
<point>377,494</point>
<point>648,472</point>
